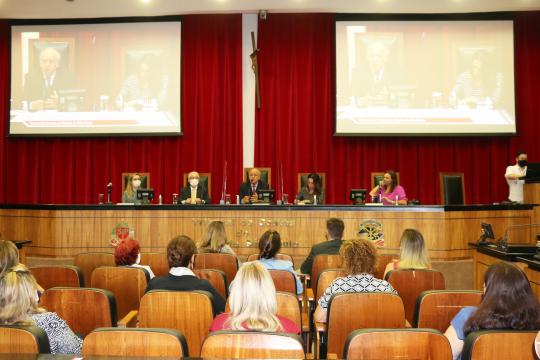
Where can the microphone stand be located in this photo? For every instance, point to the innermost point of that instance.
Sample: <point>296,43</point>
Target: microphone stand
<point>224,188</point>
<point>109,190</point>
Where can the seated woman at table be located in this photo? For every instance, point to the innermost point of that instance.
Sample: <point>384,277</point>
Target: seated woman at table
<point>269,246</point>
<point>130,194</point>
<point>128,253</point>
<point>390,192</point>
<point>508,303</point>
<point>312,191</point>
<point>412,252</point>
<point>253,303</point>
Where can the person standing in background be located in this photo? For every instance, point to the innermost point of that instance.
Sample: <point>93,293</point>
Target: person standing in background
<point>513,176</point>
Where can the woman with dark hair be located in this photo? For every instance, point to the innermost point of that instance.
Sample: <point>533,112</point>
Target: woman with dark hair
<point>389,191</point>
<point>312,193</point>
<point>269,246</point>
<point>128,253</point>
<point>508,303</point>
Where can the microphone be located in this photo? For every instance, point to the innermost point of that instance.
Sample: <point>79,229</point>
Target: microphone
<point>109,190</point>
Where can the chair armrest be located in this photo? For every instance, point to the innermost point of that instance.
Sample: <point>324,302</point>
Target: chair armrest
<point>310,295</point>
<point>331,356</point>
<point>320,327</point>
<point>130,320</point>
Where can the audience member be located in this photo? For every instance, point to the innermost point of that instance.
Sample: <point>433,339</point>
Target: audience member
<point>194,193</point>
<point>253,303</point>
<point>508,303</point>
<point>19,306</point>
<point>389,191</point>
<point>181,254</point>
<point>128,253</point>
<point>215,240</point>
<point>269,246</point>
<point>312,193</point>
<point>412,252</point>
<point>248,189</point>
<point>130,194</point>
<point>9,255</point>
<point>334,233</point>
<point>360,262</point>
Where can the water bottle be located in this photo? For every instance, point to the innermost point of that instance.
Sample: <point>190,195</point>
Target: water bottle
<point>314,199</point>
<point>397,199</point>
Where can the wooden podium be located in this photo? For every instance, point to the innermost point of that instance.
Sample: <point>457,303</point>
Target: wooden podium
<point>531,195</point>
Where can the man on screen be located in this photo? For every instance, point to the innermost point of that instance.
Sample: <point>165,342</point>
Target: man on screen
<point>513,175</point>
<point>41,88</point>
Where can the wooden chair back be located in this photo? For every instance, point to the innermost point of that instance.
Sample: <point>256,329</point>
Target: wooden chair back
<point>499,344</point>
<point>128,285</point>
<point>83,309</point>
<point>410,283</point>
<point>352,311</point>
<point>224,262</point>
<point>382,261</point>
<point>452,188</point>
<point>325,279</point>
<point>157,261</point>
<point>216,278</point>
<point>404,344</point>
<point>323,262</point>
<point>189,312</point>
<point>137,342</point>
<point>48,276</point>
<point>89,261</point>
<point>284,281</point>
<point>252,345</point>
<point>436,308</point>
<point>289,307</point>
<point>278,256</point>
<point>23,339</point>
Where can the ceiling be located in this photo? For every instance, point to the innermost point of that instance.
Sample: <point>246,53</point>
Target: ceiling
<point>21,9</point>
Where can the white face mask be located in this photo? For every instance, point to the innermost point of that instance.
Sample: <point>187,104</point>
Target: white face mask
<point>138,259</point>
<point>194,182</point>
<point>136,183</point>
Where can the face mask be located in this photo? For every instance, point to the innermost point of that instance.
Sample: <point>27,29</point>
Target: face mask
<point>194,182</point>
<point>522,163</point>
<point>136,183</point>
<point>138,259</point>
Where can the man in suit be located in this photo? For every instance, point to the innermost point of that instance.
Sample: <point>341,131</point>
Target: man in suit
<point>194,193</point>
<point>248,190</point>
<point>334,234</point>
<point>41,88</point>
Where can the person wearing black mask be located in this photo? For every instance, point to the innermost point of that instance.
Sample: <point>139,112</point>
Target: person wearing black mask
<point>513,176</point>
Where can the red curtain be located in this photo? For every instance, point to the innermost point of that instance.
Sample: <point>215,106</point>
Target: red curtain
<point>73,170</point>
<point>295,124</point>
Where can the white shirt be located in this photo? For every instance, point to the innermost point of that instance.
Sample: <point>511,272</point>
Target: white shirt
<point>515,187</point>
<point>181,271</point>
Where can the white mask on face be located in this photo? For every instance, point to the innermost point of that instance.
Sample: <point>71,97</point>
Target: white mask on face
<point>194,182</point>
<point>136,183</point>
<point>138,259</point>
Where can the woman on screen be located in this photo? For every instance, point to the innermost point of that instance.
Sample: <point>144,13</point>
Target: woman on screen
<point>311,193</point>
<point>388,190</point>
<point>130,194</point>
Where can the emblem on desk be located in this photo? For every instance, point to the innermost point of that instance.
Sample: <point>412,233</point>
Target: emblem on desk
<point>373,229</point>
<point>121,231</point>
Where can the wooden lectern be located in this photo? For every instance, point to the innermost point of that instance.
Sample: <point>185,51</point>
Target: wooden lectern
<point>531,195</point>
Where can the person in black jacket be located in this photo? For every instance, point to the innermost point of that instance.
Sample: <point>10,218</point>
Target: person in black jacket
<point>334,234</point>
<point>248,190</point>
<point>180,254</point>
<point>194,192</point>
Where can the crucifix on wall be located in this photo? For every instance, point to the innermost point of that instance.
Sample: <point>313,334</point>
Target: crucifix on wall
<point>255,68</point>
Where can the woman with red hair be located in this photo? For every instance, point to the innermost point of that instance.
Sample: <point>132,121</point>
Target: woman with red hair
<point>128,253</point>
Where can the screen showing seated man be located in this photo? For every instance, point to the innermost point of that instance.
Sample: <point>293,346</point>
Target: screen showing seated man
<point>424,77</point>
<point>99,78</point>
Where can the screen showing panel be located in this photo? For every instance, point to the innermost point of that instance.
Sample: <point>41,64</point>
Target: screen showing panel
<point>95,79</point>
<point>425,78</point>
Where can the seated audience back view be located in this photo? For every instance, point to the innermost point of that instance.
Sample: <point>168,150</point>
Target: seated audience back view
<point>9,255</point>
<point>412,253</point>
<point>128,253</point>
<point>214,240</point>
<point>334,234</point>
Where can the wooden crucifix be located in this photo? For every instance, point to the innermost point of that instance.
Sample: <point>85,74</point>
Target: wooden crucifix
<point>255,68</point>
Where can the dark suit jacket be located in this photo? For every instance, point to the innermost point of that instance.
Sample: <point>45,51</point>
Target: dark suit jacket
<point>202,194</point>
<point>328,247</point>
<point>245,189</point>
<point>35,89</point>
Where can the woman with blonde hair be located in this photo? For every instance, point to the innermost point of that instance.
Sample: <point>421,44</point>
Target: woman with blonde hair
<point>9,255</point>
<point>130,194</point>
<point>412,252</point>
<point>214,240</point>
<point>19,306</point>
<point>253,303</point>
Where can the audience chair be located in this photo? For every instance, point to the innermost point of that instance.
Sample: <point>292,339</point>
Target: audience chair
<point>266,175</point>
<point>284,281</point>
<point>216,278</point>
<point>189,312</point>
<point>225,262</point>
<point>278,256</point>
<point>410,283</point>
<point>88,261</point>
<point>83,309</point>
<point>323,262</point>
<point>157,261</point>
<point>436,308</point>
<point>499,344</point>
<point>452,188</point>
<point>205,180</point>
<point>23,339</point>
<point>228,344</point>
<point>49,276</point>
<point>128,285</point>
<point>352,311</point>
<point>137,342</point>
<point>397,344</point>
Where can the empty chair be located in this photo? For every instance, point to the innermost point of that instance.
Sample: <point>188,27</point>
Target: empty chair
<point>138,342</point>
<point>323,262</point>
<point>284,281</point>
<point>23,339</point>
<point>228,344</point>
<point>88,261</point>
<point>83,309</point>
<point>224,262</point>
<point>157,262</point>
<point>499,344</point>
<point>189,312</point>
<point>279,256</point>
<point>58,275</point>
<point>397,344</point>
<point>216,278</point>
<point>436,308</point>
<point>410,283</point>
<point>452,188</point>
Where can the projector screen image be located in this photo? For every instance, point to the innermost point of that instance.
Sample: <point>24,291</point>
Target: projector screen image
<point>425,78</point>
<point>92,79</point>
